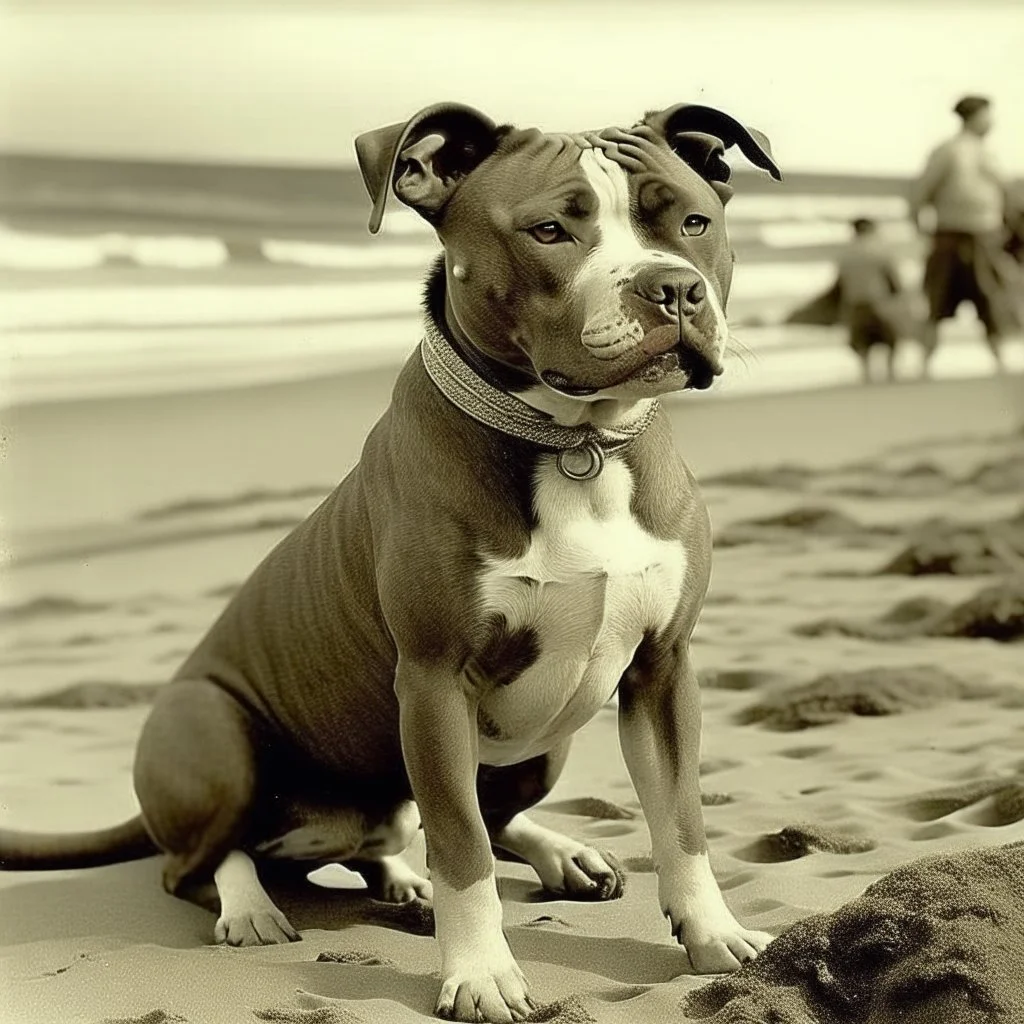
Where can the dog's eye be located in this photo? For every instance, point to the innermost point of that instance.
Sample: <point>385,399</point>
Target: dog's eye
<point>549,232</point>
<point>695,225</point>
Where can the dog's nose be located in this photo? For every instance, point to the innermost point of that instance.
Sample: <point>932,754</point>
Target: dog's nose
<point>680,292</point>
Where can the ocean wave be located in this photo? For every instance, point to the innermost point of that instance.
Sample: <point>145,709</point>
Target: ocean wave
<point>210,304</point>
<point>25,250</point>
<point>406,241</point>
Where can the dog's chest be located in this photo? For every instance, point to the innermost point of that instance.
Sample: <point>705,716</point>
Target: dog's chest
<point>580,599</point>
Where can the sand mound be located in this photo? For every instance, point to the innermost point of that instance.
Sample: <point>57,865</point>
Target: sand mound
<point>364,957</point>
<point>939,940</point>
<point>153,1017</point>
<point>995,613</point>
<point>85,696</point>
<point>48,606</point>
<point>914,609</point>
<point>803,521</point>
<point>969,549</point>
<point>737,679</point>
<point>832,697</point>
<point>1000,476</point>
<point>716,799</point>
<point>795,841</point>
<point>919,480</point>
<point>563,1011</point>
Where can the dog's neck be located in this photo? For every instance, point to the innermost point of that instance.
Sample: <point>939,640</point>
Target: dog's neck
<point>563,409</point>
<point>509,379</point>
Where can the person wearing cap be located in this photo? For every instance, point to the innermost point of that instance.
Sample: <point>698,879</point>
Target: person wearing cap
<point>967,261</point>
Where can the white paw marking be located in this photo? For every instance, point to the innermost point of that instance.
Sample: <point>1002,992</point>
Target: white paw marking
<point>248,917</point>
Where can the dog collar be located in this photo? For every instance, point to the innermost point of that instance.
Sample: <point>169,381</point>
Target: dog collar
<point>581,449</point>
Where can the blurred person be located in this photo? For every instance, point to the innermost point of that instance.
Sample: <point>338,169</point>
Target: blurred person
<point>871,300</point>
<point>968,261</point>
<point>1015,225</point>
<point>867,297</point>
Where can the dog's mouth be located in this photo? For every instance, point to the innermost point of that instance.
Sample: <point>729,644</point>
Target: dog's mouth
<point>682,360</point>
<point>671,354</point>
<point>672,364</point>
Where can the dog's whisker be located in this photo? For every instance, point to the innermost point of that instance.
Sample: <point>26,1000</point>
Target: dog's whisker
<point>737,349</point>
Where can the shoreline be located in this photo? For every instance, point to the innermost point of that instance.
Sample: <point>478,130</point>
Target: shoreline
<point>118,456</point>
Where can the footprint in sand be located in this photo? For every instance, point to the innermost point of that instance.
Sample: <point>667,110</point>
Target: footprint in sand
<point>547,921</point>
<point>735,881</point>
<point>609,829</point>
<point>325,1013</point>
<point>935,830</point>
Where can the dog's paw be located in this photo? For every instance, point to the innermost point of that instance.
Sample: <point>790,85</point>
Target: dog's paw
<point>265,927</point>
<point>496,993</point>
<point>391,880</point>
<point>580,872</point>
<point>719,946</point>
<point>398,883</point>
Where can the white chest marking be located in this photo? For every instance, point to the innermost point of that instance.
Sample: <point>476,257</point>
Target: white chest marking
<point>591,584</point>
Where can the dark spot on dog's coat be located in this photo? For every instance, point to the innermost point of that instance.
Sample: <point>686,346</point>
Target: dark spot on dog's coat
<point>506,653</point>
<point>487,726</point>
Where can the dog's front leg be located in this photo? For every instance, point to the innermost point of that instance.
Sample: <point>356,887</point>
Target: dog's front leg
<point>480,978</point>
<point>659,728</point>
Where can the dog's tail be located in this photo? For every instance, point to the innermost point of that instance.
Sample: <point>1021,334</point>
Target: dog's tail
<point>48,851</point>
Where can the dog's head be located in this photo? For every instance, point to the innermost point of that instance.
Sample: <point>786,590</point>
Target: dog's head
<point>597,263</point>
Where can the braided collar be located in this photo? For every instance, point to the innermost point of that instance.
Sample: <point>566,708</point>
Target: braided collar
<point>581,449</point>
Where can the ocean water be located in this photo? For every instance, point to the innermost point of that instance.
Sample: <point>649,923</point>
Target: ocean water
<point>122,278</point>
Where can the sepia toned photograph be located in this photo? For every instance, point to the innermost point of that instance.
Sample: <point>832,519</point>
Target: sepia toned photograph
<point>511,511</point>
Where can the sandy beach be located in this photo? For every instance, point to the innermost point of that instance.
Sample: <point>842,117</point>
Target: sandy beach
<point>197,332</point>
<point>140,514</point>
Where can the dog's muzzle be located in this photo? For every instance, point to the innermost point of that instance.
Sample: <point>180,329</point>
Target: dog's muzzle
<point>679,297</point>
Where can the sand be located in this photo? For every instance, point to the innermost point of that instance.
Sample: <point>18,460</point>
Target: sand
<point>830,760</point>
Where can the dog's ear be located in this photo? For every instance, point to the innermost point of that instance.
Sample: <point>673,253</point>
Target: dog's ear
<point>700,136</point>
<point>425,158</point>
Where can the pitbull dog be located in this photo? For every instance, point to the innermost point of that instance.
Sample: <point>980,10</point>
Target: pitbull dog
<point>519,542</point>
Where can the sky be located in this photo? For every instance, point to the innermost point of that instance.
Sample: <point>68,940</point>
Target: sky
<point>863,87</point>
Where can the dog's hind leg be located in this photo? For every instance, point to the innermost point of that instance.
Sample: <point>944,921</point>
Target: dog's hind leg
<point>563,865</point>
<point>195,777</point>
<point>248,916</point>
<point>379,860</point>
